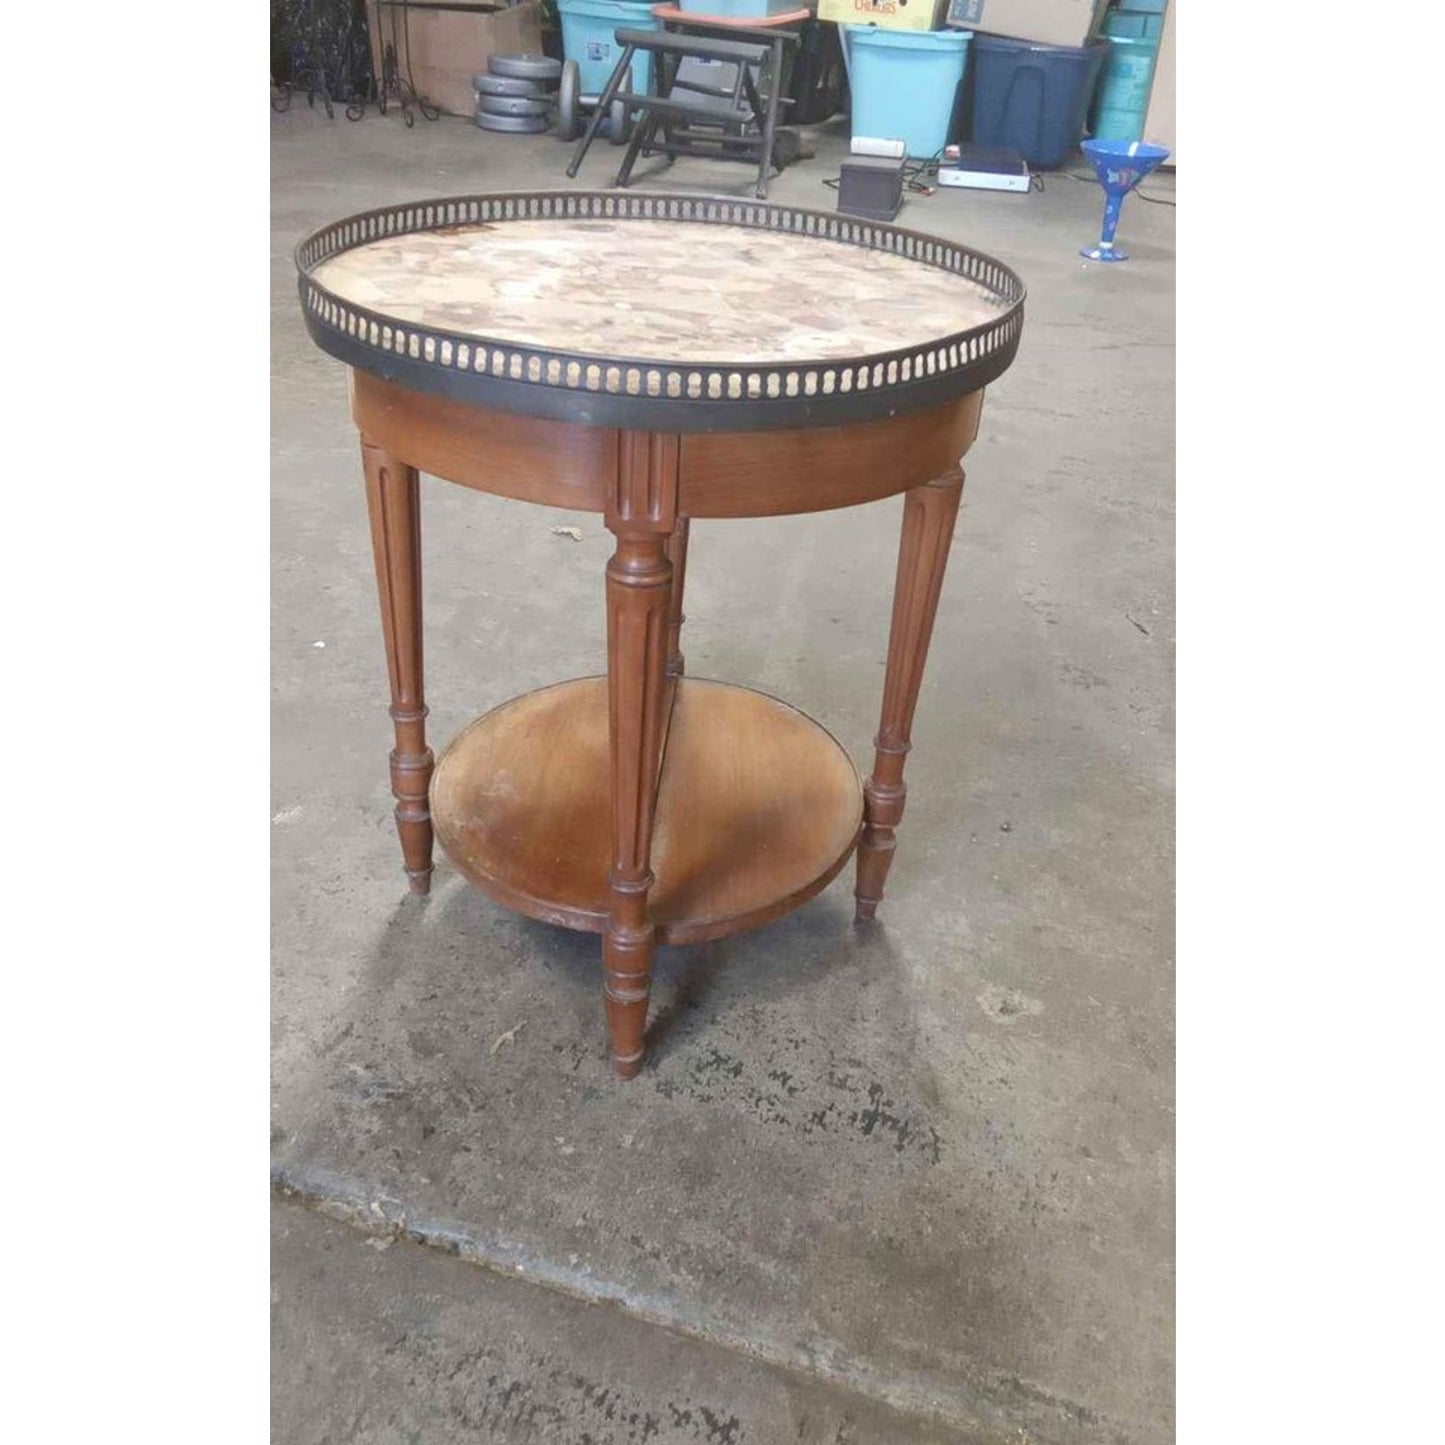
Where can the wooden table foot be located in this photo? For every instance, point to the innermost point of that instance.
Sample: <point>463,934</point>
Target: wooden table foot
<point>393,501</point>
<point>929,513</point>
<point>627,968</point>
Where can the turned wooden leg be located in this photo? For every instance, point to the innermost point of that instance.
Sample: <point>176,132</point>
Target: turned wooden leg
<point>677,555</point>
<point>393,500</point>
<point>641,513</point>
<point>928,517</point>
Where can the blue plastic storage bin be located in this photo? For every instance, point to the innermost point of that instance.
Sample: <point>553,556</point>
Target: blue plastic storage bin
<point>1032,98</point>
<point>1122,101</point>
<point>904,83</point>
<point>1133,25</point>
<point>589,29</point>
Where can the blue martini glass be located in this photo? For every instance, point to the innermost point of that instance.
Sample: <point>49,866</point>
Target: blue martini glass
<point>1120,165</point>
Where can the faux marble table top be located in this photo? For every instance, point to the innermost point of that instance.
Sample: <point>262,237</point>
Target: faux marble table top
<point>652,290</point>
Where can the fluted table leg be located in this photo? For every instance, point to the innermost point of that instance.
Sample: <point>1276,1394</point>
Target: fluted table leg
<point>393,500</point>
<point>642,514</point>
<point>929,513</point>
<point>677,555</point>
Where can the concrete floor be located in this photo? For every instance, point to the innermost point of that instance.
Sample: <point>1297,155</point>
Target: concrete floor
<point>912,1183</point>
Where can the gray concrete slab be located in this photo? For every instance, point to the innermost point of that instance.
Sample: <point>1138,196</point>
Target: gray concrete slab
<point>930,1162</point>
<point>375,1341</point>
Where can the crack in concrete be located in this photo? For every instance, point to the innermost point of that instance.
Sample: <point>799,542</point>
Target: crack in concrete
<point>996,1399</point>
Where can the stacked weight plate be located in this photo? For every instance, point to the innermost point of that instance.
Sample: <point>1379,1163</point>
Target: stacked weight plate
<point>517,93</point>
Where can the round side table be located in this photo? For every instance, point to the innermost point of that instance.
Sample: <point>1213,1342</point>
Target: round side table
<point>654,359</point>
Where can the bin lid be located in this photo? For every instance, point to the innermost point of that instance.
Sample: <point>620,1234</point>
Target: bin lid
<point>1003,44</point>
<point>872,35</point>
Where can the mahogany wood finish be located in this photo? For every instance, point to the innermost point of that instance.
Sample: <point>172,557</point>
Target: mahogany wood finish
<point>641,513</point>
<point>758,808</point>
<point>721,474</point>
<point>559,464</point>
<point>753,808</point>
<point>745,474</point>
<point>929,513</point>
<point>393,501</point>
<point>677,555</point>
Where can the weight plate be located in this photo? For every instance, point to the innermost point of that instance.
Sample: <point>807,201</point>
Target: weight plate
<point>569,110</point>
<point>513,105</point>
<point>619,123</point>
<point>525,66</point>
<point>516,124</point>
<point>485,84</point>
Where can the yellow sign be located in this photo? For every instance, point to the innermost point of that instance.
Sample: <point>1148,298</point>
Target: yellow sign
<point>886,14</point>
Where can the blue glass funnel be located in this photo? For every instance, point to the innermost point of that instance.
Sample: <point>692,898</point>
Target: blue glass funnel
<point>1120,165</point>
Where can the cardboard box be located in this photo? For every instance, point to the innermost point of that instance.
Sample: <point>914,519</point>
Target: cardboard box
<point>1049,22</point>
<point>885,14</point>
<point>448,47</point>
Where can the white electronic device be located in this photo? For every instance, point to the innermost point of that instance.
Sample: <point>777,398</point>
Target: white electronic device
<point>871,145</point>
<point>984,168</point>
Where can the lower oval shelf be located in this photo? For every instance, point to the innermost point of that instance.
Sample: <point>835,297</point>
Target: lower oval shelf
<point>758,807</point>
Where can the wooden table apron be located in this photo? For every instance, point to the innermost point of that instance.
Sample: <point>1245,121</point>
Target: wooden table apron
<point>648,486</point>
<point>567,348</point>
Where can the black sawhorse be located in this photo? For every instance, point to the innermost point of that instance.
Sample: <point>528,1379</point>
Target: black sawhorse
<point>697,127</point>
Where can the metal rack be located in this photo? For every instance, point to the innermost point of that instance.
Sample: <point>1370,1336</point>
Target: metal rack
<point>395,50</point>
<point>324,39</point>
